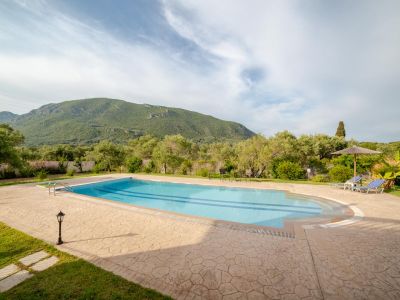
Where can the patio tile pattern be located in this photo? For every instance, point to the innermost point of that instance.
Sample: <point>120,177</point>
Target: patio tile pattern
<point>194,260</point>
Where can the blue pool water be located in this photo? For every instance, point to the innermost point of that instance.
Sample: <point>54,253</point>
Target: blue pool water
<point>251,206</point>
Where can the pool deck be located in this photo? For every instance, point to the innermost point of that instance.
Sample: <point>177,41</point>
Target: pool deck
<point>191,259</point>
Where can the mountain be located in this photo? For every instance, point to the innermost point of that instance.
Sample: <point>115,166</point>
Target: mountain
<point>7,117</point>
<point>91,120</point>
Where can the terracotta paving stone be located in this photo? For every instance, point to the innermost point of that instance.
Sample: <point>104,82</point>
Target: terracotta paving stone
<point>191,258</point>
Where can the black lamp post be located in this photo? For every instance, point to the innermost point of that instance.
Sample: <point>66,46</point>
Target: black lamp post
<point>60,218</point>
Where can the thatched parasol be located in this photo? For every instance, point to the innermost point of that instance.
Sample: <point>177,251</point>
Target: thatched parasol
<point>355,151</point>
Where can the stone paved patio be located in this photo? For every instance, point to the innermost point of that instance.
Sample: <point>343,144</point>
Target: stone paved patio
<point>190,260</point>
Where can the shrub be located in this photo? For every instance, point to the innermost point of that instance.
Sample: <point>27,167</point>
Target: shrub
<point>134,164</point>
<point>97,168</point>
<point>229,166</point>
<point>340,173</point>
<point>320,178</point>
<point>27,171</point>
<point>7,173</point>
<point>202,172</point>
<point>70,172</point>
<point>41,174</point>
<point>150,167</point>
<point>289,170</point>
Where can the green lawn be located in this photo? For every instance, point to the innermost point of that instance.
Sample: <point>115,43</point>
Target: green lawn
<point>395,191</point>
<point>70,278</point>
<point>13,181</point>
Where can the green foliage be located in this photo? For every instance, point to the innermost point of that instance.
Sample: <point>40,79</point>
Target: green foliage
<point>9,140</point>
<point>89,121</point>
<point>364,162</point>
<point>289,170</point>
<point>41,174</point>
<point>150,167</point>
<point>186,167</point>
<point>70,172</point>
<point>171,152</point>
<point>134,164</point>
<point>340,131</point>
<point>340,173</point>
<point>202,172</point>
<point>229,166</point>
<point>253,156</point>
<point>143,146</point>
<point>8,173</point>
<point>320,178</point>
<point>107,156</point>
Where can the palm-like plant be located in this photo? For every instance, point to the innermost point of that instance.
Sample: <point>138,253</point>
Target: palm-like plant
<point>391,170</point>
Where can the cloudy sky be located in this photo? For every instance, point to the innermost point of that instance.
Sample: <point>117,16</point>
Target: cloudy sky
<point>270,65</point>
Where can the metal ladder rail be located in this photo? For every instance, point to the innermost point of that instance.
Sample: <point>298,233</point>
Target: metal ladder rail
<point>53,185</point>
<point>67,187</point>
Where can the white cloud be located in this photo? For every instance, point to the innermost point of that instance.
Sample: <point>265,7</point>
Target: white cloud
<point>341,59</point>
<point>315,63</point>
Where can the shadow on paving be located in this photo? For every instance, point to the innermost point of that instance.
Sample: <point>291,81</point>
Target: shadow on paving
<point>359,261</point>
<point>100,238</point>
<point>242,265</point>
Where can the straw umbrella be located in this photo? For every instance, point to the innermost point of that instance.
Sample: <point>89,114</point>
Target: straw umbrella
<point>355,150</point>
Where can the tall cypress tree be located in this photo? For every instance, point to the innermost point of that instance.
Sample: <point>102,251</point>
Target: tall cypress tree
<point>340,131</point>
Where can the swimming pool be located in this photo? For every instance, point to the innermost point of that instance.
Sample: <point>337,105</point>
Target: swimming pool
<point>243,205</point>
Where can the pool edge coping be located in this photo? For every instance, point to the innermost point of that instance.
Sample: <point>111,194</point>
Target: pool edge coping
<point>291,227</point>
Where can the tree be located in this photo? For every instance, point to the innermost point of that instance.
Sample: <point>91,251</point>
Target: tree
<point>9,139</point>
<point>340,131</point>
<point>253,155</point>
<point>142,147</point>
<point>134,164</point>
<point>289,170</point>
<point>107,156</point>
<point>171,152</point>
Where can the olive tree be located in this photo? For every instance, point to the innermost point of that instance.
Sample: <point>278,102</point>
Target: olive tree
<point>107,156</point>
<point>171,152</point>
<point>9,140</point>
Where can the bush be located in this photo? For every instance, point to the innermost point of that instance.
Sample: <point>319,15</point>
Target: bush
<point>340,173</point>
<point>289,170</point>
<point>27,171</point>
<point>134,164</point>
<point>97,168</point>
<point>186,167</point>
<point>150,167</point>
<point>41,174</point>
<point>70,172</point>
<point>320,178</point>
<point>202,172</point>
<point>8,173</point>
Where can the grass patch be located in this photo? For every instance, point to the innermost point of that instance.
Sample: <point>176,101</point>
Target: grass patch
<point>395,191</point>
<point>14,181</point>
<point>70,278</point>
